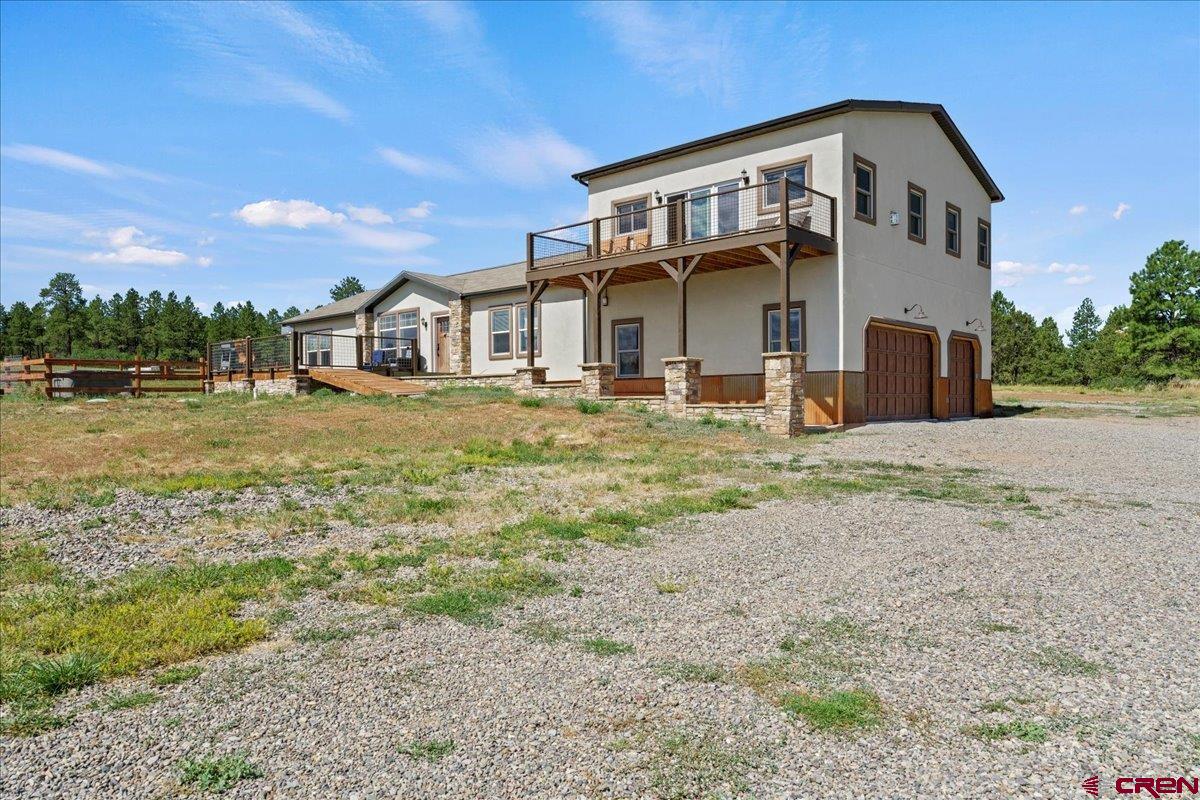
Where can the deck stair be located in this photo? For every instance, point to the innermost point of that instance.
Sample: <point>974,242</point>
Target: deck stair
<point>365,383</point>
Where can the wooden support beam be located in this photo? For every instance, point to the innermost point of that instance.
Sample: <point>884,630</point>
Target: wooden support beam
<point>681,309</point>
<point>535,290</point>
<point>785,293</point>
<point>770,254</point>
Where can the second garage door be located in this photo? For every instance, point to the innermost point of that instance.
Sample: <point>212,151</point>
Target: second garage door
<point>899,373</point>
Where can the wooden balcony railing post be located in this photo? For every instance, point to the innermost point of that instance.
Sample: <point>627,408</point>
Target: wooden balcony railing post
<point>833,218</point>
<point>785,210</point>
<point>416,357</point>
<point>594,244</point>
<point>358,351</point>
<point>529,251</point>
<point>295,354</point>
<point>680,235</point>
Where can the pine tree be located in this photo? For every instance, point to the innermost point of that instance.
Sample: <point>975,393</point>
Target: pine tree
<point>1164,313</point>
<point>64,324</point>
<point>1112,360</point>
<point>346,287</point>
<point>1012,340</point>
<point>24,330</point>
<point>94,326</point>
<point>1049,361</point>
<point>1085,328</point>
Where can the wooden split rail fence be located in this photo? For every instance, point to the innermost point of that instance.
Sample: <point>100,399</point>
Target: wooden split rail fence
<point>67,377</point>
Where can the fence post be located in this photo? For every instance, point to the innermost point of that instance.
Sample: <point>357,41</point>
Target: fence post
<point>295,351</point>
<point>137,375</point>
<point>249,359</point>
<point>48,371</point>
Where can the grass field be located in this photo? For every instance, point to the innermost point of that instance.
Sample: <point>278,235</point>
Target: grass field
<point>1170,400</point>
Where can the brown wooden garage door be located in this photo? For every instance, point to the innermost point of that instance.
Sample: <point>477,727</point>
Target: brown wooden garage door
<point>899,374</point>
<point>962,377</point>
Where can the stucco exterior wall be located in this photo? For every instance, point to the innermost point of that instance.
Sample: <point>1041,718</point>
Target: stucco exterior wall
<point>342,325</point>
<point>725,316</point>
<point>427,300</point>
<point>884,272</point>
<point>562,333</point>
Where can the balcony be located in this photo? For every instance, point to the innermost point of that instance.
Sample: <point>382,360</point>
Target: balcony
<point>733,228</point>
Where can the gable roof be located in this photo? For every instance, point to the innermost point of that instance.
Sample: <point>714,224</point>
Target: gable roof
<point>938,112</point>
<point>462,284</point>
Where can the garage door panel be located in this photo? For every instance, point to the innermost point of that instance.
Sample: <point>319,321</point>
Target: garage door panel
<point>899,379</point>
<point>961,394</point>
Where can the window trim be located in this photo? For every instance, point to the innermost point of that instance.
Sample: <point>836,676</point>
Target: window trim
<point>914,189</point>
<point>773,208</point>
<point>641,346</point>
<point>794,304</point>
<point>957,253</point>
<point>982,224</point>
<point>504,355</point>
<point>616,229</point>
<point>537,310</point>
<point>320,332</point>
<point>859,161</point>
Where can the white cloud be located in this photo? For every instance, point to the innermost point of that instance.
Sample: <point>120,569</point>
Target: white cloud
<point>368,215</point>
<point>420,166</point>
<point>303,214</point>
<point>422,210</point>
<point>130,246</point>
<point>288,213</point>
<point>1120,210</point>
<point>1010,273</point>
<point>532,158</point>
<point>1067,269</point>
<point>203,261</point>
<point>455,36</point>
<point>70,162</point>
<point>1077,210</point>
<point>1079,280</point>
<point>701,49</point>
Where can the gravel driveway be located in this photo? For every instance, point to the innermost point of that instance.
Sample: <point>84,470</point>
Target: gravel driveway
<point>1012,653</point>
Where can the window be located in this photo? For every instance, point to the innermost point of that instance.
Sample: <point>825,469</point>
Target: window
<point>318,348</point>
<point>500,332</point>
<point>916,213</point>
<point>953,230</point>
<point>984,255</point>
<point>397,333</point>
<point>523,329</point>
<point>771,334</point>
<point>797,174</point>
<point>627,347</point>
<point>631,215</point>
<point>713,210</point>
<point>864,190</point>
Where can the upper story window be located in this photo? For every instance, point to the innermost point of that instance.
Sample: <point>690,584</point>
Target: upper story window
<point>953,230</point>
<point>631,215</point>
<point>916,213</point>
<point>984,256</point>
<point>864,190</point>
<point>797,173</point>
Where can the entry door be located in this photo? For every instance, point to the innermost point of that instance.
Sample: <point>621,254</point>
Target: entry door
<point>441,344</point>
<point>962,377</point>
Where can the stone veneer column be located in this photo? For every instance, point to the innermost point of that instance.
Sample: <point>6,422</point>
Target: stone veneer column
<point>682,379</point>
<point>364,326</point>
<point>597,380</point>
<point>784,378</point>
<point>460,336</point>
<point>528,378</point>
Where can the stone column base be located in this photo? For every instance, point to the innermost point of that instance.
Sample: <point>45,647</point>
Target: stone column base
<point>682,380</point>
<point>597,380</point>
<point>528,378</point>
<point>784,407</point>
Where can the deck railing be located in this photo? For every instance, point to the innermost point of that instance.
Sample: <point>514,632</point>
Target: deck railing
<point>683,220</point>
<point>295,352</point>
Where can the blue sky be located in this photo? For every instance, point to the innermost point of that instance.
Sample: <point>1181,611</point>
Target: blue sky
<point>263,151</point>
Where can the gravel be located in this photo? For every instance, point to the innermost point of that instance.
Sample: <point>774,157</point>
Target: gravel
<point>948,615</point>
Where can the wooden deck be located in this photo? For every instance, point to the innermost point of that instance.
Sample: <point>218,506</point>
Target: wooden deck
<point>364,383</point>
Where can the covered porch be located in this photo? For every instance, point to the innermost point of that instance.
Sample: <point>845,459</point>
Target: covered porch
<point>675,243</point>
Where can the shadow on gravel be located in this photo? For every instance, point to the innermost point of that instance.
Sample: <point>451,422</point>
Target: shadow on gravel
<point>999,410</point>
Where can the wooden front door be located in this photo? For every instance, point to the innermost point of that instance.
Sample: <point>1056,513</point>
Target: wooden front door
<point>962,377</point>
<point>441,344</point>
<point>899,374</point>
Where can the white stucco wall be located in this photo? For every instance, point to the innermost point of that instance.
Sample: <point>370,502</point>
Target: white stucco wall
<point>428,301</point>
<point>562,333</point>
<point>342,325</point>
<point>725,316</point>
<point>884,272</point>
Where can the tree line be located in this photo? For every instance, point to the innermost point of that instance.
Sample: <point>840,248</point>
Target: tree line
<point>1153,339</point>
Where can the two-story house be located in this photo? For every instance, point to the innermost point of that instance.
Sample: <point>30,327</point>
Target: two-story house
<point>673,288</point>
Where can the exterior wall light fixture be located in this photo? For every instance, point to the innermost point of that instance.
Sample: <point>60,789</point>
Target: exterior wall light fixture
<point>894,218</point>
<point>974,324</point>
<point>658,196</point>
<point>745,178</point>
<point>920,311</point>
